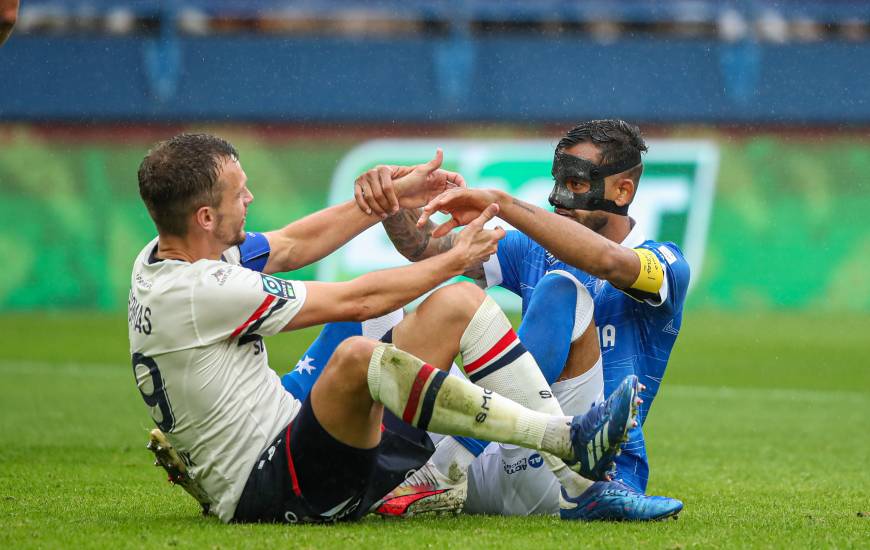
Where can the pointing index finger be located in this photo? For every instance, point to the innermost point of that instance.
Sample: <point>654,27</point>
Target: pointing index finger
<point>424,217</point>
<point>488,213</point>
<point>428,210</point>
<point>445,228</point>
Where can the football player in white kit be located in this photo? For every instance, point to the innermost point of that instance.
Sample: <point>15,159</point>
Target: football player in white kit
<point>201,301</point>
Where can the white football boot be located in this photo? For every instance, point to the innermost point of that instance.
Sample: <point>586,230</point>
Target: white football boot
<point>166,456</point>
<point>425,491</point>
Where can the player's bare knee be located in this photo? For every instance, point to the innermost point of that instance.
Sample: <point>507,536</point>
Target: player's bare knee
<point>350,361</point>
<point>459,301</point>
<point>355,350</point>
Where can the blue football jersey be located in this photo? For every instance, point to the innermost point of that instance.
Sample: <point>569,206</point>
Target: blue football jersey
<point>636,336</point>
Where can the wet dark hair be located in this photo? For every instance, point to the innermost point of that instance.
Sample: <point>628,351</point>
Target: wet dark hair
<point>617,140</point>
<point>180,175</point>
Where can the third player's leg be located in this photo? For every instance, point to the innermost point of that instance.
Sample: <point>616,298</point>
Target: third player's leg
<point>583,354</point>
<point>559,331</point>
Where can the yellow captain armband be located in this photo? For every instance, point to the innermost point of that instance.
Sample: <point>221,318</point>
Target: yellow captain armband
<point>651,274</point>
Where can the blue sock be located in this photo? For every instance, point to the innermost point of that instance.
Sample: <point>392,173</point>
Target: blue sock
<point>548,324</point>
<point>300,380</point>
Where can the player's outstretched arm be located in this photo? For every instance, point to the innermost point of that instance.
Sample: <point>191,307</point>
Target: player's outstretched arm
<point>417,243</point>
<point>377,293</point>
<point>412,242</point>
<point>315,236</point>
<point>389,192</point>
<point>566,239</point>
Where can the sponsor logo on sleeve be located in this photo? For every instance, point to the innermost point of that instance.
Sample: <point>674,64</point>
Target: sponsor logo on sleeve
<point>278,287</point>
<point>666,252</point>
<point>221,275</point>
<point>143,282</point>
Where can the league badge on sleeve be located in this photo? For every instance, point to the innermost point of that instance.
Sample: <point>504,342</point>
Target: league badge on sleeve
<point>278,287</point>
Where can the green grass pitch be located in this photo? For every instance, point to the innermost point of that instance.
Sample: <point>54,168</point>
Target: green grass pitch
<point>760,427</point>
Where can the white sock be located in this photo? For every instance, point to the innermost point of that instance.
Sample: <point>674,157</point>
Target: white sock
<point>450,455</point>
<point>494,358</point>
<point>429,399</point>
<point>451,459</point>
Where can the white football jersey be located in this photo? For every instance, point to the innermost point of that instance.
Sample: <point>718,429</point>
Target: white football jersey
<point>199,361</point>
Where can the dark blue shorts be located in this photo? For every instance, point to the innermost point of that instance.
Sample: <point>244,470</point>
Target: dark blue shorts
<point>306,475</point>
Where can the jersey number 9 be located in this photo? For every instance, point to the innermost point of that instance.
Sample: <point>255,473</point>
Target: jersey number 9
<point>153,391</point>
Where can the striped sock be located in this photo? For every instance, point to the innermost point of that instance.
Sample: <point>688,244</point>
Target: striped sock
<point>429,399</point>
<point>495,359</point>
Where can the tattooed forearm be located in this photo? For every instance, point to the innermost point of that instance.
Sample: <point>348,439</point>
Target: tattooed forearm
<point>524,205</point>
<point>413,243</point>
<point>417,244</point>
<point>408,240</point>
<point>442,244</point>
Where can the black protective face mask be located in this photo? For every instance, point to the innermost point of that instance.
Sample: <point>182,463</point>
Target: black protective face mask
<point>568,167</point>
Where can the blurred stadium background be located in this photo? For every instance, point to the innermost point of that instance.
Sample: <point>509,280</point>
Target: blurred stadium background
<point>758,113</point>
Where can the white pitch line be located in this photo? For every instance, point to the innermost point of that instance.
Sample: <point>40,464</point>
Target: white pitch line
<point>72,367</point>
<point>720,392</point>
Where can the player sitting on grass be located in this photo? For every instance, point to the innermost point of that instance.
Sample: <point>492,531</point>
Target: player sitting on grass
<point>554,263</point>
<point>200,303</point>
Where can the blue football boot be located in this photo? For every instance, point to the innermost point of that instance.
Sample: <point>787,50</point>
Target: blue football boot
<point>615,501</point>
<point>597,435</point>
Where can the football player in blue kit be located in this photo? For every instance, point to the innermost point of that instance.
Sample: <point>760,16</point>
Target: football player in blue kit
<point>587,250</point>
